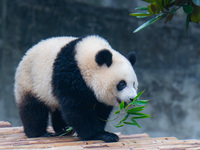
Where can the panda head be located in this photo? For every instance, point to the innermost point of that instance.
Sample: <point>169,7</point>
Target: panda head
<point>106,72</point>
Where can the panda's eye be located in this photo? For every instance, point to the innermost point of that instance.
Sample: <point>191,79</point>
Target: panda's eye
<point>121,85</point>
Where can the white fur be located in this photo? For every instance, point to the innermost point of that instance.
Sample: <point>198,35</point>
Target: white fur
<point>103,80</point>
<point>34,73</point>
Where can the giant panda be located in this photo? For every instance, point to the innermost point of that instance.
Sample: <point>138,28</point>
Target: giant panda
<point>78,81</point>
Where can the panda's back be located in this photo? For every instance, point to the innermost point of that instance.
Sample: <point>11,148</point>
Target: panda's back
<point>34,73</point>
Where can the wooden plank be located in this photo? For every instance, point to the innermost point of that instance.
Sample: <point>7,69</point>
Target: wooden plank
<point>138,136</point>
<point>14,138</point>
<point>4,124</point>
<point>196,148</point>
<point>11,130</point>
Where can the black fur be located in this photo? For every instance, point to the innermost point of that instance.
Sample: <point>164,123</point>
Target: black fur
<point>104,57</point>
<point>58,123</point>
<point>34,116</point>
<point>79,106</point>
<point>132,58</point>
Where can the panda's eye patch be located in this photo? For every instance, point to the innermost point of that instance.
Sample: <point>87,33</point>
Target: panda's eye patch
<point>121,85</point>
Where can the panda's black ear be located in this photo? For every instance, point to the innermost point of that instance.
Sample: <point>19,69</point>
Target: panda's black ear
<point>104,57</point>
<point>132,57</point>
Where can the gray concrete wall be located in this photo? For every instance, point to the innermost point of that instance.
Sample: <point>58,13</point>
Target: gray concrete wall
<point>168,65</point>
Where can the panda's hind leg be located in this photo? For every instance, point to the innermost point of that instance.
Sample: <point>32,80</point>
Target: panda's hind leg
<point>59,124</point>
<point>34,116</point>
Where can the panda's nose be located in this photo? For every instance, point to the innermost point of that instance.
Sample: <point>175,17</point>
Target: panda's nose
<point>131,99</point>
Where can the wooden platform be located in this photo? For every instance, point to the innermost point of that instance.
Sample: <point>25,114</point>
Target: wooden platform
<point>14,138</point>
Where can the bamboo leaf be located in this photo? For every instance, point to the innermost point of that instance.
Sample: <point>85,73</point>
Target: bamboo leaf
<point>146,24</point>
<point>139,94</point>
<point>140,114</point>
<point>137,97</point>
<point>130,123</point>
<point>132,103</point>
<point>136,109</point>
<point>67,131</point>
<point>118,126</point>
<point>151,9</point>
<point>140,102</point>
<point>169,18</point>
<point>141,17</point>
<point>140,14</point>
<point>141,8</point>
<point>141,117</point>
<point>124,119</point>
<point>132,111</point>
<point>134,121</point>
<point>121,106</point>
<point>160,3</point>
<point>117,112</point>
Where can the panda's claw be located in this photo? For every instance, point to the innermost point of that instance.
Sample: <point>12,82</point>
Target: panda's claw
<point>107,137</point>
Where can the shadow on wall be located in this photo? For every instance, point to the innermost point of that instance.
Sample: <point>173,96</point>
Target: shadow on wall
<point>167,64</point>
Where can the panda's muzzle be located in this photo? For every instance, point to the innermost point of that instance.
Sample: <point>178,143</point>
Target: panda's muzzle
<point>125,103</point>
<point>118,100</point>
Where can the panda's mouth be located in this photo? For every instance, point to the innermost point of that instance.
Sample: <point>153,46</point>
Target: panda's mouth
<point>119,102</point>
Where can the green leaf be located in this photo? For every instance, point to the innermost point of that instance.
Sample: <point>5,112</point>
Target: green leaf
<point>141,8</point>
<point>146,24</point>
<point>138,96</point>
<point>141,17</point>
<point>169,18</point>
<point>160,3</point>
<point>117,112</point>
<point>133,111</point>
<point>67,131</point>
<point>196,2</point>
<point>124,119</point>
<point>187,9</point>
<point>140,102</point>
<point>134,121</point>
<point>151,9</point>
<point>121,106</point>
<point>155,8</point>
<point>140,114</point>
<point>118,126</point>
<point>132,103</point>
<point>195,15</point>
<point>141,117</point>
<point>140,14</point>
<point>130,123</point>
<point>136,109</point>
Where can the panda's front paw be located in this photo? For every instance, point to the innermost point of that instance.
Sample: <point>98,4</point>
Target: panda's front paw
<point>107,137</point>
<point>47,134</point>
